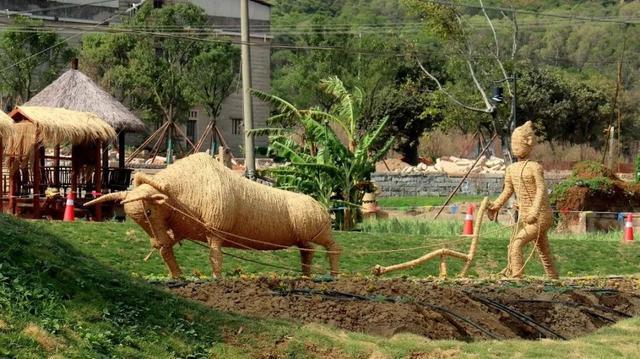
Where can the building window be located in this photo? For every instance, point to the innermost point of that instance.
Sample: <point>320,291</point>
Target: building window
<point>157,4</point>
<point>236,126</point>
<point>191,130</point>
<point>193,115</point>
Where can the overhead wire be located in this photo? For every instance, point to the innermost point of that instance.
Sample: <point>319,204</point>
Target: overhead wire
<point>62,7</point>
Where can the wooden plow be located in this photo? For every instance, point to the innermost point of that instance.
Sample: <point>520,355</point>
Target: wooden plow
<point>443,253</point>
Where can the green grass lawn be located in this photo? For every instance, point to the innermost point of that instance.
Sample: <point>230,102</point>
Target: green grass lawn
<point>424,201</point>
<point>123,247</point>
<point>82,285</point>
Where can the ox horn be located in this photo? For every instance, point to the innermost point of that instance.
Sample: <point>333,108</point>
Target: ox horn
<point>117,196</point>
<point>139,193</point>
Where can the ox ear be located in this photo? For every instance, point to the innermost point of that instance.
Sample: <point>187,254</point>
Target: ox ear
<point>159,198</point>
<point>141,178</point>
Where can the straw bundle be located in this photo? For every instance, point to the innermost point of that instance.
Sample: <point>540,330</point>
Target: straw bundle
<point>6,125</point>
<point>57,126</point>
<point>77,92</point>
<point>21,143</point>
<point>234,204</point>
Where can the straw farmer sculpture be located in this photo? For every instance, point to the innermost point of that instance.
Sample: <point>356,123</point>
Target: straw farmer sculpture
<point>198,198</point>
<point>526,179</point>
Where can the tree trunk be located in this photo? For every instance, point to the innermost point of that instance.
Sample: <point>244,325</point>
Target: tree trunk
<point>410,153</point>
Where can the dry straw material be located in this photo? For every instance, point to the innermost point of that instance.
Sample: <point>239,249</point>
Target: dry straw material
<point>6,126</point>
<point>525,178</point>
<point>234,204</point>
<point>60,126</point>
<point>76,91</point>
<point>237,212</point>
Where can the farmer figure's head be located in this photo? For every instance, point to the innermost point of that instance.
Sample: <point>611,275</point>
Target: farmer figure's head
<point>522,140</point>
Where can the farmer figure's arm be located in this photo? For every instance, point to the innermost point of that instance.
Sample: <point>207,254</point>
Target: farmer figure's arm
<point>507,192</point>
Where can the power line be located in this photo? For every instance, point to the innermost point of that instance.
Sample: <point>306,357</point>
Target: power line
<point>62,7</point>
<point>389,53</point>
<point>536,13</point>
<point>3,70</point>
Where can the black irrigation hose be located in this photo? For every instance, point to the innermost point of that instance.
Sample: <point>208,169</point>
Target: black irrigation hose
<point>599,316</point>
<point>397,300</point>
<point>515,314</point>
<point>610,290</point>
<point>576,305</point>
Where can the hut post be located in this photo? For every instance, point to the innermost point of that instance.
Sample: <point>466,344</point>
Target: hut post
<point>37,167</point>
<point>98,179</point>
<point>105,164</point>
<point>74,172</point>
<point>12,185</point>
<point>56,166</point>
<point>121,154</point>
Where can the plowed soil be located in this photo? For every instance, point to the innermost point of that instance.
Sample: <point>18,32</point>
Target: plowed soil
<point>436,310</point>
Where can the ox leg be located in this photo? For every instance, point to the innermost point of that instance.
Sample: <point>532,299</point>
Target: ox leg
<point>333,250</point>
<point>215,255</point>
<point>170,260</point>
<point>306,256</point>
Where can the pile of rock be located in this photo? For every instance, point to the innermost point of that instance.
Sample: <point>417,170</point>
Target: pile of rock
<point>454,166</point>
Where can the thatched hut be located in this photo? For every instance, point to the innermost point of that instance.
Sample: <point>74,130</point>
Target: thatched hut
<point>77,92</point>
<point>31,171</point>
<point>6,129</point>
<point>6,126</point>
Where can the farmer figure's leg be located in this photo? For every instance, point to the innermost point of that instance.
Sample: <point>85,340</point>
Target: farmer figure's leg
<point>544,251</point>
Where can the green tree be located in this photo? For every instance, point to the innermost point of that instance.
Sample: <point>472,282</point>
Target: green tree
<point>214,75</point>
<point>39,57</point>
<point>151,72</point>
<point>412,109</point>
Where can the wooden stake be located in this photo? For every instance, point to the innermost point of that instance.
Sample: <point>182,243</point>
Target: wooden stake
<point>453,193</point>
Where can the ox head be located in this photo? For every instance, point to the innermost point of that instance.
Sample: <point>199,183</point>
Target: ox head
<point>144,204</point>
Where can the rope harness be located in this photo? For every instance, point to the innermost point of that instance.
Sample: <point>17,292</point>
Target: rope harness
<point>226,236</point>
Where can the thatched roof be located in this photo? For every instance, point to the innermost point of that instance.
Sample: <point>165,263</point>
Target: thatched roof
<point>77,92</point>
<point>59,126</point>
<point>6,125</point>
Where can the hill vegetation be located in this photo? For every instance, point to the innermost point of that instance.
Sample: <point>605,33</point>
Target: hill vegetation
<point>566,62</point>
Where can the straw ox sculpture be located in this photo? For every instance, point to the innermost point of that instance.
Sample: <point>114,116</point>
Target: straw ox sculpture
<point>199,199</point>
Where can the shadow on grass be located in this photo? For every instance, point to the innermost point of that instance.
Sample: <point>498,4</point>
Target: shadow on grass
<point>95,311</point>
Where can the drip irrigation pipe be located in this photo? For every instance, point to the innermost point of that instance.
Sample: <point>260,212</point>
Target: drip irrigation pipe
<point>577,305</point>
<point>610,291</point>
<point>515,314</point>
<point>396,300</point>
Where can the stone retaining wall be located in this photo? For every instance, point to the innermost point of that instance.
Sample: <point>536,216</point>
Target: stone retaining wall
<point>436,184</point>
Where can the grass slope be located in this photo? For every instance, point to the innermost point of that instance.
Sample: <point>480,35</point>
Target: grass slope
<point>66,290</point>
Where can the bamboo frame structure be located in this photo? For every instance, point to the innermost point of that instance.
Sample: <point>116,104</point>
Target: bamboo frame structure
<point>442,253</point>
<point>165,131</point>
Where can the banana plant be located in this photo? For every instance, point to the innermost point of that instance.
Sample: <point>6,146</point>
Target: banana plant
<point>319,163</point>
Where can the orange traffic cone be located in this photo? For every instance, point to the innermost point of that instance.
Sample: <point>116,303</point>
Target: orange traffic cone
<point>468,222</point>
<point>69,215</point>
<point>628,228</point>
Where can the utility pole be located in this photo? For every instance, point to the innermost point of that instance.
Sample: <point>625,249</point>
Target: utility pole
<point>247,101</point>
